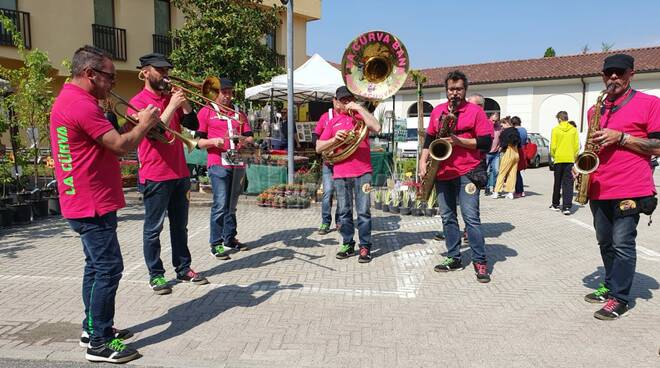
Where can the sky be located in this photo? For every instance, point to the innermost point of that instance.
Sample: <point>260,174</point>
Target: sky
<point>446,33</point>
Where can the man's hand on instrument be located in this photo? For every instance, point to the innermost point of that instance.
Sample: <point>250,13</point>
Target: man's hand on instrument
<point>150,116</point>
<point>606,137</point>
<point>341,135</point>
<point>218,142</point>
<point>177,99</point>
<point>422,169</point>
<point>453,140</point>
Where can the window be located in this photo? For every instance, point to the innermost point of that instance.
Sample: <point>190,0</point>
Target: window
<point>411,134</point>
<point>162,17</point>
<point>8,4</point>
<point>270,41</point>
<point>104,12</point>
<point>412,110</point>
<point>491,106</point>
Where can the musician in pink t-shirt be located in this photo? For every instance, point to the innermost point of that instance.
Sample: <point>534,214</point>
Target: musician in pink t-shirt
<point>164,176</point>
<point>328,184</point>
<point>85,147</point>
<point>352,176</point>
<point>622,186</point>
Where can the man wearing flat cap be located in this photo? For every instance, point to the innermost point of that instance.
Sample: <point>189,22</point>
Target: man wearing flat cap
<point>164,176</point>
<point>622,186</point>
<point>352,175</point>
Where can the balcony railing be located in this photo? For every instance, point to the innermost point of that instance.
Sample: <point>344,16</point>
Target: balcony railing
<point>163,44</point>
<point>21,22</point>
<point>110,39</point>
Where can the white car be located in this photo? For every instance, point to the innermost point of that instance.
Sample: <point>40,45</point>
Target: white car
<point>542,150</point>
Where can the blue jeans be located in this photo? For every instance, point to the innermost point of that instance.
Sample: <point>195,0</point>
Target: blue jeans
<point>616,237</point>
<point>227,186</point>
<point>160,198</point>
<point>347,188</point>
<point>493,162</point>
<point>103,268</point>
<point>328,191</point>
<point>448,192</point>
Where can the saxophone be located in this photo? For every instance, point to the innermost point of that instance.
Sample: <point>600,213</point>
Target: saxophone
<point>439,150</point>
<point>587,162</point>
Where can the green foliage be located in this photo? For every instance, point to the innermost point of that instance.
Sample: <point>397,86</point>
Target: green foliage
<point>406,166</point>
<point>432,199</point>
<point>549,52</point>
<point>226,38</point>
<point>606,46</point>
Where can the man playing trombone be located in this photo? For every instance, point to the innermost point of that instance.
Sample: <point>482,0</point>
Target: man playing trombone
<point>164,176</point>
<point>222,132</point>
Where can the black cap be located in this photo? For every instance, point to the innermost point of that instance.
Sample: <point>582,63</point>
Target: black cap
<point>343,92</point>
<point>226,83</point>
<point>156,60</point>
<point>621,61</point>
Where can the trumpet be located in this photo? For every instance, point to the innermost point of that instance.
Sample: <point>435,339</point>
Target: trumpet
<point>158,132</point>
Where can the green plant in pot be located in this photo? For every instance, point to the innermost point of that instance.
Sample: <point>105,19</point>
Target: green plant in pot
<point>405,204</point>
<point>396,201</point>
<point>387,198</point>
<point>430,204</point>
<point>378,199</point>
<point>418,209</point>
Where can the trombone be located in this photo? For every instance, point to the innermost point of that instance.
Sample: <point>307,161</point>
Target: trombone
<point>158,132</point>
<point>207,91</point>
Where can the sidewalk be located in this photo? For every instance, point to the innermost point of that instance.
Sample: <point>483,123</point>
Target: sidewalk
<point>287,302</point>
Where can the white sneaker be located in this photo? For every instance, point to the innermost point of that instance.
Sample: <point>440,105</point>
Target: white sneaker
<point>495,195</point>
<point>509,196</point>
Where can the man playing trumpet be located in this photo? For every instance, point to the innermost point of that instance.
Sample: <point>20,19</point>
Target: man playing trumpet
<point>164,176</point>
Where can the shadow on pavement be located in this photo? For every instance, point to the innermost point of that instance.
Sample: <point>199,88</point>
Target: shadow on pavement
<point>184,317</point>
<point>641,287</point>
<point>264,258</point>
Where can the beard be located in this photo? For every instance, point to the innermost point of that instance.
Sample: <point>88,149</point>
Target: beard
<point>157,84</point>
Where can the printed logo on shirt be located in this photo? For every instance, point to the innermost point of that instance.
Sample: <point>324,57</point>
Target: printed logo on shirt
<point>64,158</point>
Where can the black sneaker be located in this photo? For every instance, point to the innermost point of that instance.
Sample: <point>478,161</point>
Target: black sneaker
<point>324,229</point>
<point>365,255</point>
<point>193,277</point>
<point>113,351</point>
<point>481,271</point>
<point>236,245</point>
<point>566,211</point>
<point>439,236</point>
<point>554,208</point>
<point>613,309</point>
<point>160,286</point>
<point>219,252</point>
<point>449,264</point>
<point>119,334</point>
<point>599,296</point>
<point>345,251</point>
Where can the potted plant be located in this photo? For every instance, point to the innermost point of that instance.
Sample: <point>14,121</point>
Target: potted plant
<point>405,204</point>
<point>430,210</point>
<point>261,198</point>
<point>305,202</point>
<point>417,209</point>
<point>194,185</point>
<point>205,185</point>
<point>378,200</point>
<point>396,202</point>
<point>387,197</point>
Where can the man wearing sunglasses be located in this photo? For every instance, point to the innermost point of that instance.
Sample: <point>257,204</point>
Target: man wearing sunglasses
<point>622,186</point>
<point>164,176</point>
<point>85,149</point>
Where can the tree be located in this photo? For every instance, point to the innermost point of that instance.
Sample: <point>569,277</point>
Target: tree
<point>585,49</point>
<point>226,38</point>
<point>605,46</point>
<point>28,103</point>
<point>549,52</point>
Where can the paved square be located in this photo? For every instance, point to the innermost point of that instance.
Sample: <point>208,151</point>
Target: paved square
<point>288,302</point>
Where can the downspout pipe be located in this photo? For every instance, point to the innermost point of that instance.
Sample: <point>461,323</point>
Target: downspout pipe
<point>584,95</point>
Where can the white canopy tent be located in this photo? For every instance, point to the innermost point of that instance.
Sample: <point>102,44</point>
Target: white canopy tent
<point>315,80</point>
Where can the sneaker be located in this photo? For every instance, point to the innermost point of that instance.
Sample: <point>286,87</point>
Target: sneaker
<point>237,245</point>
<point>194,277</point>
<point>554,208</point>
<point>522,194</point>
<point>495,195</point>
<point>345,251</point>
<point>439,236</point>
<point>509,196</point>
<point>219,252</point>
<point>613,309</point>
<point>599,296</point>
<point>449,264</point>
<point>566,212</point>
<point>113,351</point>
<point>365,255</point>
<point>488,192</point>
<point>159,285</point>
<point>481,270</point>
<point>118,334</point>
<point>324,229</point>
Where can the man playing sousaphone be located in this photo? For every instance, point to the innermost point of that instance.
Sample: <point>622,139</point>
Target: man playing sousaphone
<point>352,175</point>
<point>164,176</point>
<point>223,136</point>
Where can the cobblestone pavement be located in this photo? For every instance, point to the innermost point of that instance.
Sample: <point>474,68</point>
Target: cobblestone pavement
<point>288,302</point>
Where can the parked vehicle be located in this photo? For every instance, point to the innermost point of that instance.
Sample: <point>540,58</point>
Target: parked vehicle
<point>542,156</point>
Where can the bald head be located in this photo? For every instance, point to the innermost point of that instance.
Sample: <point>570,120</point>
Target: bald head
<point>476,99</point>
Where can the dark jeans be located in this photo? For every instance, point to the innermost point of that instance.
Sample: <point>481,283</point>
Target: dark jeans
<point>227,186</point>
<point>328,191</point>
<point>449,191</point>
<point>103,268</point>
<point>564,182</point>
<point>160,198</point>
<point>616,237</point>
<point>519,182</point>
<point>493,162</point>
<point>347,188</point>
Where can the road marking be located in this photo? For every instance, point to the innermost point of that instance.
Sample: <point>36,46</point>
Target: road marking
<point>644,252</point>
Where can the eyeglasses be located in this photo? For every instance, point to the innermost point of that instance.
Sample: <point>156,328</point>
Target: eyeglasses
<point>111,76</point>
<point>618,71</point>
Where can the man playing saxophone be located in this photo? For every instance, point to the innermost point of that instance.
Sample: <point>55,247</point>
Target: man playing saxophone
<point>622,185</point>
<point>352,176</point>
<point>455,179</point>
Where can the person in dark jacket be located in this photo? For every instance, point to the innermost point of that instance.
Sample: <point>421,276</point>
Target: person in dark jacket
<point>506,178</point>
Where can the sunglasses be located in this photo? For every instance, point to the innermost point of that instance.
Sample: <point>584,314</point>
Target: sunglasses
<point>111,76</point>
<point>618,71</point>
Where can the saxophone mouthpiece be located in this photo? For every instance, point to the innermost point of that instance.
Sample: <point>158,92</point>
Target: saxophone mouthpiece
<point>610,88</point>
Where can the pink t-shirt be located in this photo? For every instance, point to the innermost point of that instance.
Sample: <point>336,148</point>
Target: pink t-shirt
<point>624,173</point>
<point>472,123</point>
<point>357,164</point>
<point>160,161</point>
<point>323,122</point>
<point>88,174</point>
<point>215,127</point>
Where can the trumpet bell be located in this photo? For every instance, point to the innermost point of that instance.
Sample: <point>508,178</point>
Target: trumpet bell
<point>586,162</point>
<point>440,149</point>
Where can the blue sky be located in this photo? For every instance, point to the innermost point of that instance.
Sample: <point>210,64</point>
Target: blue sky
<point>444,33</point>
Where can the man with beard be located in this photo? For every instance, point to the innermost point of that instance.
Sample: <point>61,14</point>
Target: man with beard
<point>164,176</point>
